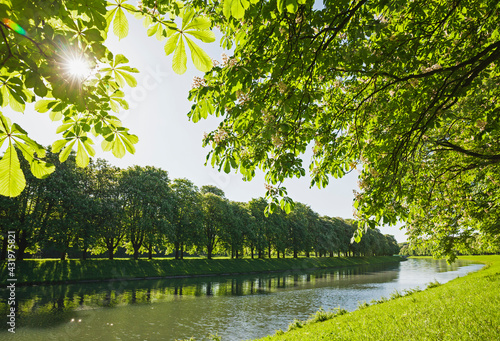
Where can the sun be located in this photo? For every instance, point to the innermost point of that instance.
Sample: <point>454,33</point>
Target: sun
<point>77,67</point>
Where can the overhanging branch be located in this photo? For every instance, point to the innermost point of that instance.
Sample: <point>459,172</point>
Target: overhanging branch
<point>454,147</point>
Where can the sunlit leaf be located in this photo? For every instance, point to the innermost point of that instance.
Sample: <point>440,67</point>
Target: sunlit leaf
<point>63,156</point>
<point>87,143</point>
<point>12,180</point>
<point>238,8</point>
<point>201,59</point>
<point>179,60</point>
<point>187,16</point>
<point>204,36</point>
<point>118,148</point>
<point>41,169</point>
<point>21,136</point>
<point>128,69</point>
<point>120,24</point>
<point>227,8</point>
<point>55,115</point>
<point>120,59</point>
<point>153,29</point>
<point>82,159</point>
<point>129,141</point>
<point>227,166</point>
<point>131,81</point>
<point>44,105</point>
<point>107,145</point>
<point>171,43</point>
<point>198,23</point>
<point>16,103</point>
<point>292,6</point>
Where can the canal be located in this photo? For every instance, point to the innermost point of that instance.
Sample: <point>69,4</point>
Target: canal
<point>234,308</point>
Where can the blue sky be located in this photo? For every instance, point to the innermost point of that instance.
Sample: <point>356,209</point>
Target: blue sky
<point>167,139</point>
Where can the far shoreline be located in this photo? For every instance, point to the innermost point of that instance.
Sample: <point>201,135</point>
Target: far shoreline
<point>34,272</point>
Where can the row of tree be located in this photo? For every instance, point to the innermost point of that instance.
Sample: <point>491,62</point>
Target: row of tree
<point>101,208</point>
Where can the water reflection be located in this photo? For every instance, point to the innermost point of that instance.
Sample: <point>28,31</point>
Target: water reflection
<point>237,307</point>
<point>58,301</point>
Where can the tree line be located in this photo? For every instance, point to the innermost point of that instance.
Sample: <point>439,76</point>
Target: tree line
<point>101,208</point>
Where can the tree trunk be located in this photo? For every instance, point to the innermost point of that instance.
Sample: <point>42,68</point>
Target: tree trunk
<point>63,255</point>
<point>176,246</point>
<point>22,244</point>
<point>182,250</point>
<point>269,249</point>
<point>136,253</point>
<point>260,253</point>
<point>150,251</point>
<point>237,256</point>
<point>209,251</point>
<point>84,254</point>
<point>295,254</point>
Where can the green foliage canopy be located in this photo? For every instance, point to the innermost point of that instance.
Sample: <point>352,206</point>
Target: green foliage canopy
<point>53,54</point>
<point>147,204</point>
<point>404,91</point>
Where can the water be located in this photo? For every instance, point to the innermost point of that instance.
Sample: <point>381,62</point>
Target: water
<point>235,308</point>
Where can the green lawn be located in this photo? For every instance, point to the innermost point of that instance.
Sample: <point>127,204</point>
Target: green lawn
<point>34,271</point>
<point>466,308</point>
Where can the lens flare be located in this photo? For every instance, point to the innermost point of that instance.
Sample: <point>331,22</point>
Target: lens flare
<point>13,26</point>
<point>77,67</point>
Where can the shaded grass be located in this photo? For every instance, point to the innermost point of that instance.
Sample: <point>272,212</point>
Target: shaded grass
<point>466,308</point>
<point>33,271</point>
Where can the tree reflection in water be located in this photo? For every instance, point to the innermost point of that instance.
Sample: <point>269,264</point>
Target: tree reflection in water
<point>53,304</point>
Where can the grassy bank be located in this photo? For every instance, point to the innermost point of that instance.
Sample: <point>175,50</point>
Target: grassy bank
<point>34,271</point>
<point>465,308</point>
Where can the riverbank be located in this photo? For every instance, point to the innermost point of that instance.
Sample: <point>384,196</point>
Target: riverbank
<point>51,271</point>
<point>465,308</point>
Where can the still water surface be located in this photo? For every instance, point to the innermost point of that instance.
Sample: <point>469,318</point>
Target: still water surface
<point>235,308</point>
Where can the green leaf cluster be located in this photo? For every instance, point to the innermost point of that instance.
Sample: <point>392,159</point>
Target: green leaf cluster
<point>40,44</point>
<point>197,27</point>
<point>404,92</point>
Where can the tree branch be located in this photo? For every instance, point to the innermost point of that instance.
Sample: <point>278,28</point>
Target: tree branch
<point>25,36</point>
<point>8,47</point>
<point>451,146</point>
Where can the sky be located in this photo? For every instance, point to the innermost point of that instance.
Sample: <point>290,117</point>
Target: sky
<point>168,140</point>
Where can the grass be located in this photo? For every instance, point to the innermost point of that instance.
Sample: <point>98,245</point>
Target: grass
<point>34,271</point>
<point>466,308</point>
